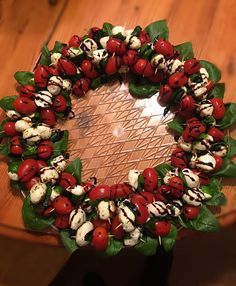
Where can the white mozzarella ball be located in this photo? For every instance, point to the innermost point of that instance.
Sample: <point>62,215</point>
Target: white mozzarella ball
<point>204,75</point>
<point>13,115</point>
<point>126,217</point>
<point>81,233</point>
<point>133,42</point>
<point>99,55</point>
<point>54,58</point>
<point>174,66</point>
<point>23,124</point>
<point>128,32</point>
<point>186,146</point>
<point>193,160</point>
<point>44,131</point>
<point>222,151</point>
<point>158,62</point>
<point>206,162</point>
<point>169,175</point>
<point>134,237</point>
<point>13,176</point>
<point>133,176</point>
<point>59,163</point>
<point>31,135</point>
<point>56,192</point>
<point>174,209</point>
<point>37,193</point>
<point>88,46</point>
<point>192,179</point>
<point>74,52</point>
<point>43,99</point>
<point>205,109</point>
<point>156,209</point>
<point>195,197</point>
<point>199,89</point>
<point>49,175</point>
<point>66,84</point>
<point>76,190</point>
<point>55,84</point>
<point>118,30</point>
<point>103,41</point>
<point>106,209</point>
<point>204,143</point>
<point>77,218</point>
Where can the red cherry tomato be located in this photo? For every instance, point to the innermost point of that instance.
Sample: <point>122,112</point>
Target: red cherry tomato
<point>62,205</point>
<point>219,108</point>
<point>67,180</point>
<point>27,169</point>
<point>47,212</point>
<point>67,67</point>
<point>120,191</point>
<point>191,212</point>
<point>204,178</point>
<point>130,58</point>
<point>59,104</point>
<point>165,94</point>
<point>44,150</point>
<point>100,238</point>
<point>52,70</point>
<point>28,185</point>
<point>162,228</point>
<point>187,106</point>
<point>15,146</point>
<point>41,164</point>
<point>24,105</point>
<point>116,46</point>
<point>138,198</point>
<point>177,186</point>
<point>81,86</point>
<point>144,68</point>
<point>178,158</point>
<point>148,197</point>
<point>216,133</point>
<point>9,128</point>
<point>142,212</point>
<point>150,179</point>
<point>117,228</point>
<point>113,64</point>
<point>41,76</point>
<point>219,162</point>
<point>62,221</point>
<point>191,66</point>
<point>177,79</point>
<point>88,68</point>
<point>210,85</point>
<point>101,222</point>
<point>163,193</point>
<point>144,37</point>
<point>93,31</point>
<point>164,47</point>
<point>48,116</point>
<point>75,41</point>
<point>158,77</point>
<point>100,192</point>
<point>27,91</point>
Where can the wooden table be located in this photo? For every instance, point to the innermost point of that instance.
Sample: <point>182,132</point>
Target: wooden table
<point>26,25</point>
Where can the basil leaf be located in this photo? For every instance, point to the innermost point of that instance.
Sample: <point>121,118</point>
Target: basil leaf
<point>100,80</point>
<point>218,90</point>
<point>227,170</point>
<point>176,126</point>
<point>75,168</point>
<point>168,241</point>
<point>230,116</point>
<point>6,103</point>
<point>57,47</point>
<point>140,183</point>
<point>45,58</point>
<point>205,221</point>
<point>113,248</point>
<point>157,29</point>
<point>231,143</point>
<point>213,71</point>
<point>136,31</point>
<point>68,242</point>
<point>4,149</point>
<point>143,90</point>
<point>214,189</point>
<point>107,28</point>
<point>148,246</point>
<point>162,169</point>
<point>218,199</point>
<point>60,146</point>
<point>185,50</point>
<point>31,219</point>
<point>145,51</point>
<point>30,151</point>
<point>24,78</point>
<point>16,185</point>
<point>2,133</point>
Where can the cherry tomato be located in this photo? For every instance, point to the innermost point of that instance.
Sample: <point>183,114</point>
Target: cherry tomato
<point>117,228</point>
<point>62,221</point>
<point>67,67</point>
<point>113,64</point>
<point>216,133</point>
<point>34,180</point>
<point>144,37</point>
<point>24,105</point>
<point>93,31</point>
<point>162,228</point>
<point>59,104</point>
<point>219,162</point>
<point>178,158</point>
<point>191,212</point>
<point>88,68</point>
<point>177,79</point>
<point>41,164</point>
<point>142,213</point>
<point>158,77</point>
<point>164,47</point>
<point>101,222</point>
<point>15,146</point>
<point>9,128</point>
<point>130,58</point>
<point>116,46</point>
<point>62,205</point>
<point>163,193</point>
<point>100,238</point>
<point>100,192</point>
<point>165,94</point>
<point>177,186</point>
<point>45,150</point>
<point>148,197</point>
<point>67,180</point>
<point>27,91</point>
<point>144,68</point>
<point>48,116</point>
<point>210,85</point>
<point>219,108</point>
<point>81,86</point>
<point>27,169</point>
<point>204,178</point>
<point>134,197</point>
<point>75,41</point>
<point>187,106</point>
<point>120,191</point>
<point>47,212</point>
<point>191,66</point>
<point>150,179</point>
<point>52,70</point>
<point>41,76</point>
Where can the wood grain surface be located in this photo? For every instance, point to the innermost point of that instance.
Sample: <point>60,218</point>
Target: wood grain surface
<point>209,25</point>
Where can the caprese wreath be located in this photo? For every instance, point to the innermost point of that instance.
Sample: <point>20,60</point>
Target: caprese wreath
<point>150,208</point>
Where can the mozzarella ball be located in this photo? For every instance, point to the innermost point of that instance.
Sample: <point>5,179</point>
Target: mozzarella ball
<point>106,209</point>
<point>221,151</point>
<point>204,143</point>
<point>43,99</point>
<point>31,135</point>
<point>133,176</point>
<point>76,190</point>
<point>192,179</point>
<point>134,237</point>
<point>13,176</point>
<point>158,62</point>
<point>54,58</point>
<point>206,162</point>
<point>133,42</point>
<point>174,65</point>
<point>66,84</point>
<point>49,175</point>
<point>128,32</point>
<point>23,124</point>
<point>59,163</point>
<point>204,75</point>
<point>44,131</point>
<point>174,209</point>
<point>77,218</point>
<point>103,41</point>
<point>199,89</point>
<point>169,175</point>
<point>99,55</point>
<point>88,46</point>
<point>186,146</point>
<point>56,192</point>
<point>13,115</point>
<point>55,84</point>
<point>81,233</point>
<point>118,30</point>
<point>195,197</point>
<point>156,209</point>
<point>74,52</point>
<point>126,217</point>
<point>205,109</point>
<point>37,193</point>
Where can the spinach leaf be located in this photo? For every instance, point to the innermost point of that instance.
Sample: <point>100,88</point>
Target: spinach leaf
<point>213,71</point>
<point>68,242</point>
<point>30,151</point>
<point>218,90</point>
<point>6,103</point>
<point>45,58</point>
<point>146,51</point>
<point>75,168</point>
<point>162,169</point>
<point>230,116</point>
<point>136,31</point>
<point>60,146</point>
<point>148,246</point>
<point>227,170</point>
<point>107,28</point>
<point>145,90</point>
<point>31,219</point>
<point>168,241</point>
<point>4,149</point>
<point>24,78</point>
<point>231,143</point>
<point>113,248</point>
<point>176,126</point>
<point>185,50</point>
<point>157,29</point>
<point>57,47</point>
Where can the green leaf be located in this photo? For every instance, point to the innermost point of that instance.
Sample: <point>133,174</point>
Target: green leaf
<point>157,29</point>
<point>227,170</point>
<point>205,221</point>
<point>5,149</point>
<point>75,168</point>
<point>168,241</point>
<point>31,219</point>
<point>30,151</point>
<point>45,58</point>
<point>218,90</point>
<point>6,103</point>
<point>61,145</point>
<point>140,183</point>
<point>24,78</point>
<point>231,143</point>
<point>107,28</point>
<point>100,80</point>
<point>143,90</point>
<point>162,169</point>
<point>185,50</point>
<point>230,116</point>
<point>214,189</point>
<point>213,71</point>
<point>57,47</point>
<point>176,126</point>
<point>113,248</point>
<point>136,31</point>
<point>2,133</point>
<point>148,246</point>
<point>16,185</point>
<point>218,199</point>
<point>68,242</point>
